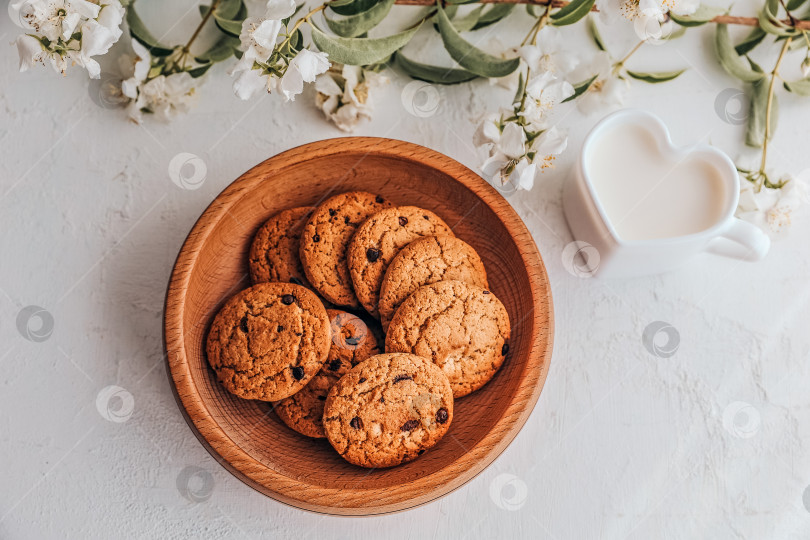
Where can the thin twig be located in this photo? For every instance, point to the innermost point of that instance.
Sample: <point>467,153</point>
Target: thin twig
<point>720,19</point>
<point>768,108</point>
<point>196,33</point>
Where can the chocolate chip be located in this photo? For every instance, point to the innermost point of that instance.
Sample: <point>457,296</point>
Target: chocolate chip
<point>332,212</point>
<point>280,328</point>
<point>322,398</point>
<point>298,373</point>
<point>299,334</point>
<point>442,416</point>
<point>287,299</point>
<point>356,423</point>
<point>362,380</point>
<point>346,220</point>
<point>403,220</point>
<point>334,365</point>
<point>382,399</point>
<point>505,348</point>
<point>243,324</point>
<point>399,378</point>
<point>296,281</point>
<point>372,254</point>
<point>353,341</point>
<point>379,199</point>
<point>486,292</point>
<point>316,238</point>
<point>420,452</point>
<point>409,425</point>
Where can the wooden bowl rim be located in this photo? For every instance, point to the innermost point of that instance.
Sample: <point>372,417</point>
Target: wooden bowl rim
<point>364,502</point>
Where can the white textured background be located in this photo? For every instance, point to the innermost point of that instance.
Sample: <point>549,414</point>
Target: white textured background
<point>622,444</point>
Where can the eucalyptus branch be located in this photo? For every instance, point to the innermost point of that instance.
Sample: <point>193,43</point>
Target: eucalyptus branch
<point>214,5</point>
<point>720,19</point>
<point>768,111</point>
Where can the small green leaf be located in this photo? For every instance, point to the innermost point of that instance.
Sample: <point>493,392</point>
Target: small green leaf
<point>652,78</point>
<point>572,12</point>
<point>228,26</point>
<point>794,4</point>
<point>521,88</point>
<point>675,34</point>
<point>351,7</point>
<point>800,87</point>
<point>433,74</point>
<point>753,39</point>
<point>139,32</point>
<point>580,89</point>
<point>199,71</point>
<point>470,57</point>
<point>730,60</point>
<point>360,51</point>
<point>755,130</point>
<point>702,15</point>
<point>219,51</point>
<point>355,25</point>
<point>597,37</point>
<point>493,15</point>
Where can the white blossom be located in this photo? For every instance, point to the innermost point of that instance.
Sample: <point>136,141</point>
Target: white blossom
<point>68,32</point>
<point>549,54</point>
<point>606,91</point>
<point>304,67</point>
<point>771,209</point>
<point>165,96</point>
<point>345,97</point>
<point>543,91</point>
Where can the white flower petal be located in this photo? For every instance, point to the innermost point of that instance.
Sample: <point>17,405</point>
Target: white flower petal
<point>30,50</point>
<point>326,85</point>
<point>512,142</point>
<point>279,9</point>
<point>249,82</point>
<point>486,133</point>
<point>292,83</point>
<point>266,34</point>
<point>310,64</point>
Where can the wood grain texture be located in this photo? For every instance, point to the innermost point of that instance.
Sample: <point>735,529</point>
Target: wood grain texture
<point>245,436</point>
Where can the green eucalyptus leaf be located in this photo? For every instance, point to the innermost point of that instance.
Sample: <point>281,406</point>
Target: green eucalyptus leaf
<point>233,28</point>
<point>470,57</point>
<point>351,7</point>
<point>769,20</point>
<point>658,77</point>
<point>679,32</point>
<point>219,51</point>
<point>433,74</point>
<point>521,88</point>
<point>597,37</point>
<point>730,60</point>
<point>203,10</point>
<point>800,87</point>
<point>493,15</point>
<point>360,51</point>
<point>355,25</point>
<point>702,15</point>
<point>580,89</point>
<point>530,10</point>
<point>793,5</point>
<point>228,9</point>
<point>757,111</point>
<point>572,12</point>
<point>753,39</point>
<point>138,30</point>
<point>468,21</point>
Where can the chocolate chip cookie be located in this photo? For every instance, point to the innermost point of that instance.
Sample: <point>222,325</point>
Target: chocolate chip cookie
<point>379,239</point>
<point>274,252</point>
<point>269,340</point>
<point>352,342</point>
<point>462,328</point>
<point>388,410</point>
<point>425,261</point>
<point>325,238</point>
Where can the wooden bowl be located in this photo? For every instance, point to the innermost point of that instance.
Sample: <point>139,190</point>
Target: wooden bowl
<point>245,436</point>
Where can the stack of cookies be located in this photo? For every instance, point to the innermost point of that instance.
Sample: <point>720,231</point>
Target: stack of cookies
<point>365,322</point>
